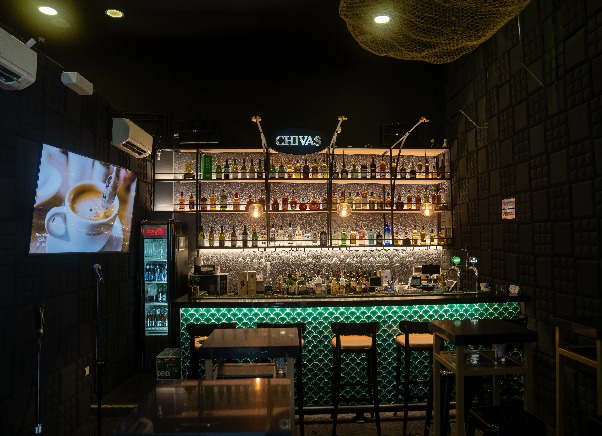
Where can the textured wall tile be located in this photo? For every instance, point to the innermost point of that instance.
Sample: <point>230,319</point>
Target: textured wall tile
<point>563,238</point>
<point>588,276</point>
<point>559,171</point>
<point>523,177</point>
<point>578,122</point>
<point>544,272</point>
<point>583,199</point>
<point>540,206</point>
<point>575,52</point>
<point>525,238</point>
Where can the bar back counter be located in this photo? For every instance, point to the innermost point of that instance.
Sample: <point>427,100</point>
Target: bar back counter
<point>319,312</point>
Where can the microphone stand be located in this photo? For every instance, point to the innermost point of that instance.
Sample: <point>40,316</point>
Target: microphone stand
<point>98,362</point>
<point>40,334</point>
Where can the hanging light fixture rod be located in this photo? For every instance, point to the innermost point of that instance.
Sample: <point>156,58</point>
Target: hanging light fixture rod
<point>257,120</point>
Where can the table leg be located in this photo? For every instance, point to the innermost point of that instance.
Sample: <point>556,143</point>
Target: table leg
<point>208,369</point>
<point>438,419</point>
<point>290,374</point>
<point>559,393</point>
<point>460,362</point>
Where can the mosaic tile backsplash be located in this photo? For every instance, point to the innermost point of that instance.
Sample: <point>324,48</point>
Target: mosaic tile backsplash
<point>317,357</point>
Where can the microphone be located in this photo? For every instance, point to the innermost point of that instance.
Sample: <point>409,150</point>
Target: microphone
<point>39,312</point>
<point>98,271</point>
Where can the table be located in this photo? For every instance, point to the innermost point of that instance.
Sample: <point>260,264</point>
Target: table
<point>590,355</point>
<point>253,343</point>
<point>213,407</point>
<point>465,363</point>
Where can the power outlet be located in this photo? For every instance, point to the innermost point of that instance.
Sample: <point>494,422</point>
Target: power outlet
<point>87,371</point>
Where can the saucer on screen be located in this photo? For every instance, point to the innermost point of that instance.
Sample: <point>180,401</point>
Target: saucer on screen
<point>113,243</point>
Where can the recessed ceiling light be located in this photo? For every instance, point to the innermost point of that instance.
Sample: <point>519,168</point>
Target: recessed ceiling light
<point>114,13</point>
<point>47,10</point>
<point>381,19</point>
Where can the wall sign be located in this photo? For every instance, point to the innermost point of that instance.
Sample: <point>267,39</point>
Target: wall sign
<point>508,208</point>
<point>297,141</point>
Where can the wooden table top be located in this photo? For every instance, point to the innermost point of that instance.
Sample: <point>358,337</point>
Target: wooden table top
<point>251,343</point>
<point>588,327</point>
<point>482,331</point>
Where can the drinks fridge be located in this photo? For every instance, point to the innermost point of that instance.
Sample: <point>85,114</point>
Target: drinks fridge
<point>164,278</point>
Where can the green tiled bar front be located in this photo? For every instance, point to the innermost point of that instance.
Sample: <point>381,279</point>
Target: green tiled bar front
<point>317,354</point>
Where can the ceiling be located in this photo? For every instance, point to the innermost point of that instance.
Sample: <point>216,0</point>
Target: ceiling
<point>222,58</point>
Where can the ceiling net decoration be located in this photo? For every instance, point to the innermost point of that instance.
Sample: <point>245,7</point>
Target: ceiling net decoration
<point>434,31</point>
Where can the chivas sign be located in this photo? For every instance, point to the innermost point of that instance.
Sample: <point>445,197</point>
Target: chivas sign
<point>298,141</point>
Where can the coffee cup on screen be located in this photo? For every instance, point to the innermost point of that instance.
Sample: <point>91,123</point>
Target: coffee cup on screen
<point>83,222</point>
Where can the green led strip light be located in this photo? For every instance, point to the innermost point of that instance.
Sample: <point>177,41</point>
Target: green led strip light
<point>317,358</point>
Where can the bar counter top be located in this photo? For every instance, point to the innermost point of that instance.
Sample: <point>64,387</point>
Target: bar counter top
<point>387,299</point>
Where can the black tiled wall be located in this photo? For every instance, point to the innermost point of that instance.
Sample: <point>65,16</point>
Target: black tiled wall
<point>48,112</point>
<point>537,88</point>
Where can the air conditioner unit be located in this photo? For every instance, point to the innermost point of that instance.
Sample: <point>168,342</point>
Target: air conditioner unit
<point>130,138</point>
<point>18,63</point>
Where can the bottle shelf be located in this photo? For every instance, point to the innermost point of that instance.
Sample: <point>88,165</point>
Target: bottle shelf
<point>298,181</point>
<point>389,181</point>
<point>287,247</point>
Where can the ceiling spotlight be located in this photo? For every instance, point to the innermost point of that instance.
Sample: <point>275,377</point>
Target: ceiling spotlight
<point>114,13</point>
<point>47,10</point>
<point>381,19</point>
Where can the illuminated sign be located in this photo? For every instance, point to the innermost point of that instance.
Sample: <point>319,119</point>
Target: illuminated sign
<point>298,141</point>
<point>155,232</point>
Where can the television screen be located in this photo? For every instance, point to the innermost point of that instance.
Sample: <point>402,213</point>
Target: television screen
<point>81,204</point>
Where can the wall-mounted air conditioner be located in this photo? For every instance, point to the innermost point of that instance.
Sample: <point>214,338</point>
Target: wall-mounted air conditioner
<point>130,138</point>
<point>18,63</point>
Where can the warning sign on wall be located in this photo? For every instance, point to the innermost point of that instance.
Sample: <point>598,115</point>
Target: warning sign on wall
<point>508,208</point>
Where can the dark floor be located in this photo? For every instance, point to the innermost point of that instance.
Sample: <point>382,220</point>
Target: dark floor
<point>118,403</point>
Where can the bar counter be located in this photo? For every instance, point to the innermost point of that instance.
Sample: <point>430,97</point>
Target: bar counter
<point>320,311</point>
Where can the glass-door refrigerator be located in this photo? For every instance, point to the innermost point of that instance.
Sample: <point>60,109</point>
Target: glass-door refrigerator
<point>164,273</point>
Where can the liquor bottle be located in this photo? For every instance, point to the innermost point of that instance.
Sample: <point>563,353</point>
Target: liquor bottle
<point>335,201</point>
<point>254,237</point>
<point>406,238</point>
<point>364,170</point>
<point>245,237</point>
<point>323,238</point>
<point>293,201</point>
<point>290,234</point>
<point>354,171</point>
<point>212,201</point>
<point>372,168</point>
<point>380,204</point>
<point>349,199</point>
<point>314,169</point>
<point>419,172</point>
<point>427,168</point>
<point>218,168</point>
<point>262,237</point>
<point>394,168</point>
<point>280,236</point>
<point>388,201</point>
<point>414,235</point>
<point>181,202</point>
<point>252,170</point>
<point>227,170</point>
<point>335,171</point>
<point>417,201</point>
<point>203,202</point>
<point>387,234</point>
<point>379,238</point>
<point>223,201</point>
<point>344,171</point>
<point>289,170</point>
<point>357,203</point>
<point>324,169</point>
<point>191,202</point>
<point>435,170</point>
<point>402,170</point>
<point>298,237</point>
<point>201,238</point>
<point>284,202</point>
<point>259,169</point>
<point>371,240</point>
<point>233,238</point>
<point>211,237</point>
<point>243,169</point>
<point>325,202</point>
<point>275,204</point>
<point>432,238</point>
<point>382,167</point>
<point>343,238</point>
<point>396,239</point>
<point>249,203</point>
<point>306,170</point>
<point>235,173</point>
<point>222,238</point>
<point>352,238</point>
<point>273,235</point>
<point>441,171</point>
<point>303,204</point>
<point>409,198</point>
<point>412,171</point>
<point>261,199</point>
<point>297,169</point>
<point>399,202</point>
<point>236,202</point>
<point>422,236</point>
<point>272,168</point>
<point>362,237</point>
<point>372,201</point>
<point>281,169</point>
<point>364,198</point>
<point>314,204</point>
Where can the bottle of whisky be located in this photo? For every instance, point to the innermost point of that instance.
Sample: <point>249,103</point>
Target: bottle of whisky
<point>335,171</point>
<point>414,235</point>
<point>233,238</point>
<point>249,203</point>
<point>218,168</point>
<point>324,169</point>
<point>181,202</point>
<point>254,237</point>
<point>364,170</point>
<point>306,170</point>
<point>245,237</point>
<point>259,169</point>
<point>422,236</point>
<point>273,172</point>
<point>314,169</point>
<point>191,202</point>
<point>211,237</point>
<point>427,168</point>
<point>379,238</point>
<point>380,204</point>
<point>402,170</point>
<point>212,201</point>
<point>354,171</point>
<point>201,238</point>
<point>223,201</point>
<point>275,204</point>
<point>372,201</point>
<point>281,169</point>
<point>252,170</point>
<point>372,168</point>
<point>399,202</point>
<point>243,169</point>
<point>417,201</point>
<point>357,203</point>
<point>236,202</point>
<point>235,173</point>
<point>261,199</point>
<point>273,235</point>
<point>409,199</point>
<point>290,170</point>
<point>432,238</point>
<point>284,202</point>
<point>419,172</point>
<point>222,238</point>
<point>227,170</point>
<point>412,171</point>
<point>382,167</point>
<point>323,238</point>
<point>297,169</point>
<point>394,168</point>
<point>364,198</point>
<point>388,201</point>
<point>344,171</point>
<point>293,201</point>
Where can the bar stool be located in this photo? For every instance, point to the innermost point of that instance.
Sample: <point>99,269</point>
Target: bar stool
<point>414,336</point>
<point>301,328</point>
<point>198,333</point>
<point>355,338</point>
